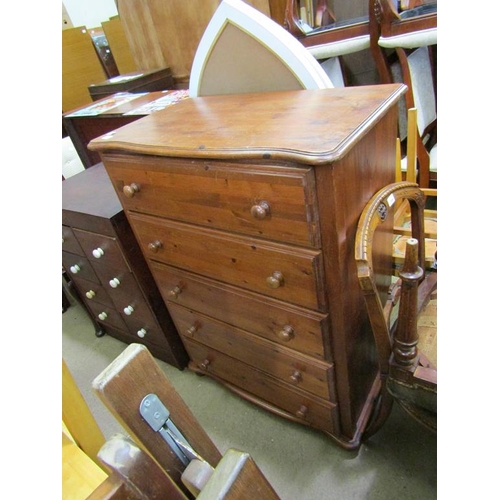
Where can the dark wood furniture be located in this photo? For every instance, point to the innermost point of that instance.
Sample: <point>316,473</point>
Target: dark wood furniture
<point>387,20</point>
<point>246,207</point>
<point>407,374</point>
<point>108,270</point>
<point>139,81</point>
<point>325,27</point>
<point>82,128</point>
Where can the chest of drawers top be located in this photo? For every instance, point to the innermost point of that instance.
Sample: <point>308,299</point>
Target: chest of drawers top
<point>89,201</point>
<point>307,126</point>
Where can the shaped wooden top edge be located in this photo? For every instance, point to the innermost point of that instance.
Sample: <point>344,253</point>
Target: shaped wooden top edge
<point>307,126</point>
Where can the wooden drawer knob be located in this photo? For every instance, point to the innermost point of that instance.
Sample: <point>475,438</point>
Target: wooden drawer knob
<point>175,292</point>
<point>296,377</point>
<point>286,334</point>
<point>204,364</point>
<point>275,280</point>
<point>154,246</point>
<point>301,412</point>
<point>261,210</point>
<point>129,191</point>
<point>192,330</point>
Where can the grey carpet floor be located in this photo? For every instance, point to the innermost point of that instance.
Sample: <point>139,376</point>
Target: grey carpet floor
<point>399,462</point>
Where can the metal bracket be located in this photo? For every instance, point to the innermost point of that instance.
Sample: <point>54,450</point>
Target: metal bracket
<point>156,414</point>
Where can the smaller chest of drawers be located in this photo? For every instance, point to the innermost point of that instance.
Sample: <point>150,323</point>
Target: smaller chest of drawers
<point>105,263</point>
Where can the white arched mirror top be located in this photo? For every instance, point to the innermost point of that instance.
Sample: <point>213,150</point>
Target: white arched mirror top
<point>242,50</point>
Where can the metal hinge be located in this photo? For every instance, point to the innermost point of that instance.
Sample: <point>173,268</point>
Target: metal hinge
<point>156,414</point>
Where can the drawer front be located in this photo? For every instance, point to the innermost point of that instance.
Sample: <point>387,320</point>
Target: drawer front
<point>78,266</point>
<point>92,291</point>
<point>121,285</point>
<point>288,325</point>
<point>273,202</point>
<point>144,328</point>
<point>102,249</point>
<point>310,375</point>
<point>278,271</point>
<point>299,404</point>
<point>69,241</point>
<point>112,316</point>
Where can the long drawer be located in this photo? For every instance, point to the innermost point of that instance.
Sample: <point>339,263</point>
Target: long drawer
<point>288,325</point>
<point>296,369</point>
<point>286,273</point>
<point>299,404</point>
<point>276,203</point>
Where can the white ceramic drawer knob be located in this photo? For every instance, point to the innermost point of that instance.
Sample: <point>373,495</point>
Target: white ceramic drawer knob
<point>90,294</point>
<point>98,253</point>
<point>102,316</point>
<point>115,282</point>
<point>141,333</point>
<point>75,269</point>
<point>128,310</point>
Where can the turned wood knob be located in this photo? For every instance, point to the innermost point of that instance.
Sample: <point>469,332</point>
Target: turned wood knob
<point>275,280</point>
<point>175,292</point>
<point>204,364</point>
<point>192,330</point>
<point>261,210</point>
<point>296,377</point>
<point>286,334</point>
<point>301,412</point>
<point>129,191</point>
<point>154,246</point>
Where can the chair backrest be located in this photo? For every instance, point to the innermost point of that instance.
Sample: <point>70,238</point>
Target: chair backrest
<point>242,50</point>
<point>139,395</point>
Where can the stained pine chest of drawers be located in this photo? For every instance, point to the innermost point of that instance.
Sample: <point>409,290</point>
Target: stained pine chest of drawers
<point>246,208</point>
<point>101,255</point>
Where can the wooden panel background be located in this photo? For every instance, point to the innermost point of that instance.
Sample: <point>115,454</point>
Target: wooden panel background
<point>167,33</point>
<point>80,67</point>
<point>119,45</point>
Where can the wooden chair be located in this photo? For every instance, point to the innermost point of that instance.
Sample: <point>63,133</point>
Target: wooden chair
<point>406,169</point>
<point>407,374</point>
<point>243,50</point>
<point>314,24</point>
<point>404,47</point>
<point>168,450</point>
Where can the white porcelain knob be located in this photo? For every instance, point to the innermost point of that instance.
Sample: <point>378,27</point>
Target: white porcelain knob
<point>114,282</point>
<point>98,253</point>
<point>75,269</point>
<point>141,333</point>
<point>90,294</point>
<point>102,316</point>
<point>128,310</point>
